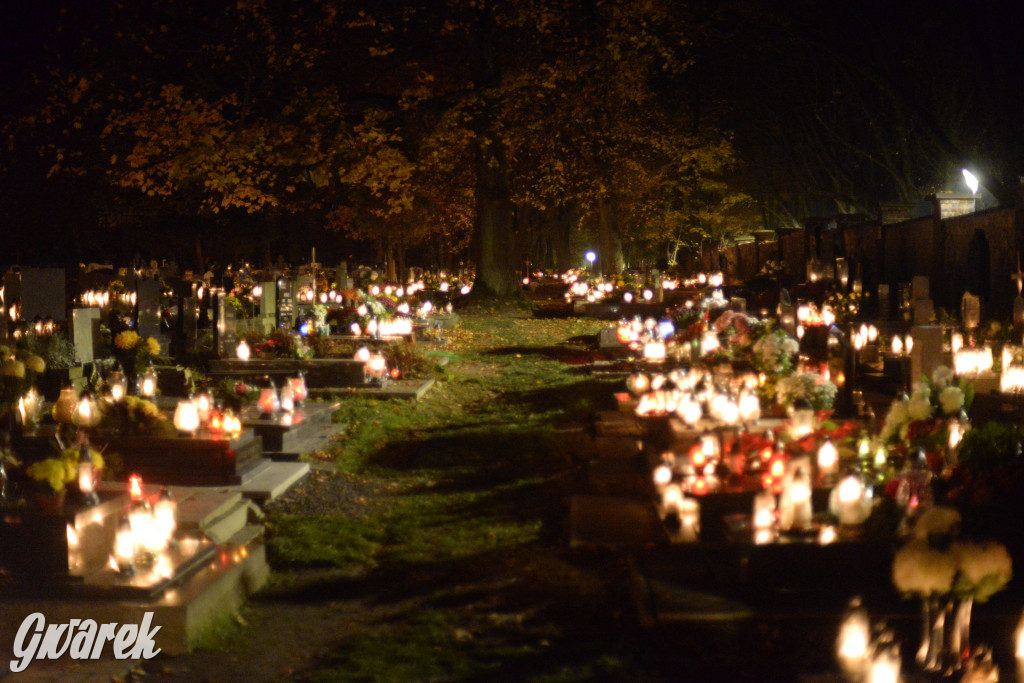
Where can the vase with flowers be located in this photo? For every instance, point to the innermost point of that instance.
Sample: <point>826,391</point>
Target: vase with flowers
<point>52,476</point>
<point>948,575</point>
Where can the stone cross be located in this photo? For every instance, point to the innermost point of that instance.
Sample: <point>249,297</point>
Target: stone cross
<point>1018,276</point>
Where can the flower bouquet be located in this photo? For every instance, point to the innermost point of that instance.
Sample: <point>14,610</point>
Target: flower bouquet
<point>948,575</point>
<point>811,387</point>
<point>922,421</point>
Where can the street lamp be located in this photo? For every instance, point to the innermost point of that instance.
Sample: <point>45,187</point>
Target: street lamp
<point>971,180</point>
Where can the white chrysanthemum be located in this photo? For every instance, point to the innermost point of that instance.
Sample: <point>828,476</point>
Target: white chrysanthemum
<point>921,392</point>
<point>919,409</point>
<point>977,561</point>
<point>789,346</point>
<point>898,413</point>
<point>918,568</point>
<point>951,399</point>
<point>941,377</point>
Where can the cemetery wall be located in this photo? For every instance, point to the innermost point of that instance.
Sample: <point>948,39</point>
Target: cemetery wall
<point>974,252</point>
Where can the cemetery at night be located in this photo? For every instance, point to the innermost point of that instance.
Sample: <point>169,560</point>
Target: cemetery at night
<point>511,340</point>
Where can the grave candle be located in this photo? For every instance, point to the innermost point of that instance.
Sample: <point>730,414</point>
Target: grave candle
<point>243,350</point>
<point>850,501</point>
<point>828,460</point>
<point>689,518</point>
<point>124,548</point>
<point>186,416</point>
<point>64,408</point>
<point>764,510</point>
<point>854,639</point>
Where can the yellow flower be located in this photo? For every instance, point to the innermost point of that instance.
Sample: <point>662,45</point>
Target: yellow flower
<point>149,409</point>
<point>152,346</point>
<point>14,368</point>
<point>35,364</point>
<point>126,340</point>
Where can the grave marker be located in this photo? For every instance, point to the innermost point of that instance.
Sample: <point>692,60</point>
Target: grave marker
<point>85,332</point>
<point>43,294</point>
<point>148,307</point>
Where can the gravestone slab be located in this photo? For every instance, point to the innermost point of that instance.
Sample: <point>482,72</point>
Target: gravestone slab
<point>85,332</point>
<point>42,294</point>
<point>285,306</point>
<point>927,353</point>
<point>924,311</point>
<point>919,288</point>
<point>227,328</point>
<point>884,302</point>
<point>268,301</point>
<point>148,306</point>
<point>970,310</point>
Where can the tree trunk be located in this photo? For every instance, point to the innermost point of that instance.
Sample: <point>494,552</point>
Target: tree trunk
<point>610,257</point>
<point>494,224</point>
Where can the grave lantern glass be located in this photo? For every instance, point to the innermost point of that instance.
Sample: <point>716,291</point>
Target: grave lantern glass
<point>165,512</point>
<point>87,475</point>
<point>118,386</point>
<point>242,351</point>
<point>298,385</point>
<point>64,408</point>
<point>86,413</point>
<point>124,548</point>
<point>204,404</point>
<point>147,383</point>
<point>186,416</point>
<point>268,402</point>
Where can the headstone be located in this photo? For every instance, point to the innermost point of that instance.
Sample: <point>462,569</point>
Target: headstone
<point>970,310</point>
<point>226,327</point>
<point>148,303</point>
<point>927,353</point>
<point>919,288</point>
<point>924,311</point>
<point>1018,314</point>
<point>268,301</point>
<point>189,316</point>
<point>738,304</point>
<point>884,303</point>
<point>285,306</point>
<point>42,294</point>
<point>345,281</point>
<point>85,331</point>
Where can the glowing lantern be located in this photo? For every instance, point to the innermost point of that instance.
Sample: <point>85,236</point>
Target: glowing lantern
<point>186,416</point>
<point>124,548</point>
<point>764,510</point>
<point>203,406</point>
<point>147,383</point>
<point>795,501</point>
<point>86,414</point>
<point>638,383</point>
<point>87,475</point>
<point>268,402</point>
<point>287,398</point>
<point>118,386</point>
<point>376,366</point>
<point>853,643</point>
<point>135,492</point>
<point>362,355</point>
<point>242,351</point>
<point>828,459</point>
<point>165,512</point>
<point>852,505</point>
<point>299,390</point>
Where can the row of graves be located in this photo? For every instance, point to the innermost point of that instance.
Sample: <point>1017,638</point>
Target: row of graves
<point>817,464</point>
<point>131,483</point>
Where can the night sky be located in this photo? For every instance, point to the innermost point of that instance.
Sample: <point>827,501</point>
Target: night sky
<point>835,106</point>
